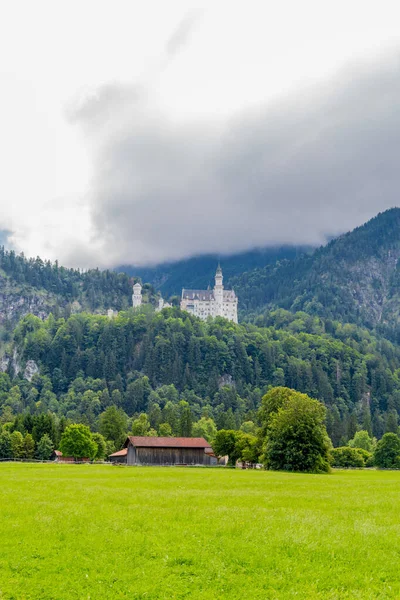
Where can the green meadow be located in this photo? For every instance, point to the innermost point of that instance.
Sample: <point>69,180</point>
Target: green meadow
<point>99,532</point>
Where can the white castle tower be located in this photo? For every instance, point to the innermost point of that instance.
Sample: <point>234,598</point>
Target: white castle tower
<point>137,295</point>
<point>219,292</point>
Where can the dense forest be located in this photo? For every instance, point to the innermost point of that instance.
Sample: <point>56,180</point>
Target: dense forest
<point>355,278</point>
<point>41,287</point>
<point>149,363</point>
<point>93,288</point>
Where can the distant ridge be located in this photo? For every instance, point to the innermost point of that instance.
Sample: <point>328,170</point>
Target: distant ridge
<point>355,278</point>
<point>198,272</point>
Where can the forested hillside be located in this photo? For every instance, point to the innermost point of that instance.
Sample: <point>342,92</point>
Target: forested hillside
<point>40,287</point>
<point>144,362</point>
<point>355,278</point>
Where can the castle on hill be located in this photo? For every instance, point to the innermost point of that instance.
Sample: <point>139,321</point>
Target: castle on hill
<point>211,303</point>
<point>200,303</point>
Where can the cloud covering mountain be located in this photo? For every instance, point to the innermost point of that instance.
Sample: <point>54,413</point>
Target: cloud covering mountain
<point>297,170</point>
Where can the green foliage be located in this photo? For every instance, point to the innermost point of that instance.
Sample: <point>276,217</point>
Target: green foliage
<point>197,272</point>
<point>17,445</point>
<point>346,457</point>
<point>44,424</point>
<point>293,426</point>
<point>101,452</point>
<point>165,430</point>
<point>249,427</point>
<point>224,444</point>
<point>44,448</point>
<point>367,456</point>
<point>113,425</point>
<point>110,448</point>
<point>387,452</point>
<point>29,446</point>
<point>185,419</point>
<point>6,450</point>
<point>205,428</point>
<point>362,440</point>
<point>392,424</point>
<point>77,441</point>
<point>247,447</point>
<point>141,425</point>
<point>273,400</point>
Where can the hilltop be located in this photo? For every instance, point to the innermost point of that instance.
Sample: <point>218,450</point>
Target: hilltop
<point>41,287</point>
<point>355,278</point>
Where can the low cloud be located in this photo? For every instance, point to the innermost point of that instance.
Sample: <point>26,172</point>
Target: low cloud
<point>6,239</point>
<point>297,172</point>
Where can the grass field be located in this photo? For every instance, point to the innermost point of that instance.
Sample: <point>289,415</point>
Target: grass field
<point>103,532</point>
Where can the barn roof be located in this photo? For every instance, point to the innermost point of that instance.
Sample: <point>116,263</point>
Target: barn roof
<point>122,452</point>
<point>167,442</point>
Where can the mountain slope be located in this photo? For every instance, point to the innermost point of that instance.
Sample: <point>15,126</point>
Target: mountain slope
<point>355,278</point>
<point>198,272</point>
<point>40,287</point>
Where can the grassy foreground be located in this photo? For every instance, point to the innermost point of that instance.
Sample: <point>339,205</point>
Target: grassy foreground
<point>99,532</point>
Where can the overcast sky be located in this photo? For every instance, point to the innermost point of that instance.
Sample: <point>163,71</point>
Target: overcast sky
<point>138,132</point>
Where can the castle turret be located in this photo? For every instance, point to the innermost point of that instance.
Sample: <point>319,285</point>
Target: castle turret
<point>137,295</point>
<point>219,291</point>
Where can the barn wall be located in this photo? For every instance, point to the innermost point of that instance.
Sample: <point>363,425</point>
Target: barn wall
<point>171,456</point>
<point>131,456</point>
<point>118,459</point>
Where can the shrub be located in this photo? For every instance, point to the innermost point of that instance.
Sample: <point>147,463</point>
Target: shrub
<point>367,456</point>
<point>346,457</point>
<point>387,452</point>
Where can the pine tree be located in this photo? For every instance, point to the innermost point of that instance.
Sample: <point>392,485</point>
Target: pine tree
<point>44,448</point>
<point>29,446</point>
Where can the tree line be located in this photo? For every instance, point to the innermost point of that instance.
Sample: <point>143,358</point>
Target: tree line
<point>291,436</point>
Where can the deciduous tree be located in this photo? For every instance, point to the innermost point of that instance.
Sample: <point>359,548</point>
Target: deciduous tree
<point>295,437</point>
<point>77,441</point>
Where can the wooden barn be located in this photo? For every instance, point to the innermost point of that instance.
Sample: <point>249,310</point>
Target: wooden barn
<point>119,457</point>
<point>165,451</point>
